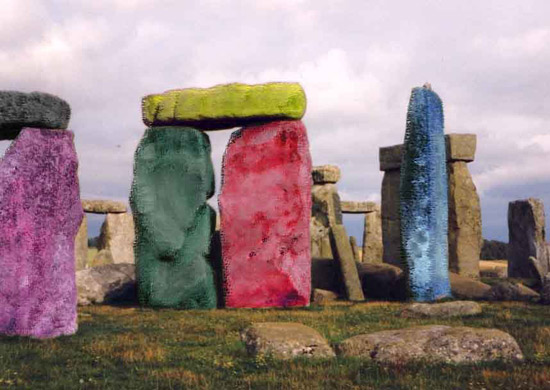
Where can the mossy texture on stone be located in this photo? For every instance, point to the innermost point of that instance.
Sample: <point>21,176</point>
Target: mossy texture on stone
<point>173,178</point>
<point>225,106</point>
<point>35,109</point>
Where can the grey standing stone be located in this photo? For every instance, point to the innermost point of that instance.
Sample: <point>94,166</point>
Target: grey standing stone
<point>325,213</point>
<point>348,268</point>
<point>354,248</point>
<point>391,221</point>
<point>373,249</point>
<point>117,236</point>
<point>81,245</point>
<point>526,238</point>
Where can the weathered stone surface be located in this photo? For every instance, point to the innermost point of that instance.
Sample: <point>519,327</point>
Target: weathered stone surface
<point>536,269</point>
<point>325,212</point>
<point>391,222</point>
<point>285,340</point>
<point>527,237</point>
<point>106,284</point>
<point>445,309</point>
<point>35,109</point>
<point>354,248</point>
<point>265,206</point>
<point>81,245</point>
<point>40,213</point>
<point>465,239</point>
<point>321,297</point>
<point>463,287</point>
<point>326,275</point>
<point>493,269</point>
<point>117,236</point>
<point>325,174</point>
<point>390,157</point>
<point>509,291</point>
<point>103,206</point>
<point>225,106</point>
<point>173,178</point>
<point>545,291</point>
<point>103,257</point>
<point>382,281</point>
<point>373,249</point>
<point>351,207</point>
<point>460,147</point>
<point>348,268</point>
<point>433,343</point>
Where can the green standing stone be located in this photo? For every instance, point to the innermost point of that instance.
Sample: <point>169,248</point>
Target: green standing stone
<point>173,178</point>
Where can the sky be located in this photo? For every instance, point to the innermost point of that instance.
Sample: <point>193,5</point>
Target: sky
<point>357,61</point>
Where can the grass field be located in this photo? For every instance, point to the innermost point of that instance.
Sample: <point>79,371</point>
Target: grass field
<point>134,348</point>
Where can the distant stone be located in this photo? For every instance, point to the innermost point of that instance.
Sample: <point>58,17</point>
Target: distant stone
<point>391,157</point>
<point>382,281</point>
<point>35,109</point>
<point>460,147</point>
<point>326,275</point>
<point>349,207</point>
<point>325,174</point>
<point>103,206</point>
<point>285,340</point>
<point>354,248</point>
<point>321,297</point>
<point>103,257</point>
<point>373,249</point>
<point>225,106</point>
<point>40,214</point>
<point>391,222</point>
<point>545,291</point>
<point>493,269</point>
<point>348,268</point>
<point>106,284</point>
<point>434,344</point>
<point>81,245</point>
<point>536,269</point>
<point>117,236</point>
<point>445,309</point>
<point>463,287</point>
<point>325,212</point>
<point>509,291</point>
<point>526,238</point>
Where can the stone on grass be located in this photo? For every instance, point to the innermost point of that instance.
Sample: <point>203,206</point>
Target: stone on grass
<point>117,236</point>
<point>444,309</point>
<point>463,287</point>
<point>112,283</point>
<point>433,344</point>
<point>382,281</point>
<point>265,208</point>
<point>35,109</point>
<point>285,340</point>
<point>508,291</point>
<point>103,206</point>
<point>321,297</point>
<point>40,213</point>
<point>325,174</point>
<point>326,275</point>
<point>225,106</point>
<point>173,178</point>
<point>348,269</point>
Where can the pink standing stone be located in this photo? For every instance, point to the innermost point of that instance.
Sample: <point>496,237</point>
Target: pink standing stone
<point>40,212</point>
<point>265,206</point>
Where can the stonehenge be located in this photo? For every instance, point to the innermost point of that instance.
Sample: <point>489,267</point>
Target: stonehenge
<point>38,178</point>
<point>372,230</point>
<point>464,214</point>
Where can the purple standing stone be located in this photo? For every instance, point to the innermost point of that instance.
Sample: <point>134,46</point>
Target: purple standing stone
<point>40,212</point>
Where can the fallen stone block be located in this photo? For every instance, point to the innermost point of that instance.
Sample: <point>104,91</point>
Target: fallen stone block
<point>442,310</point>
<point>285,340</point>
<point>225,106</point>
<point>509,291</point>
<point>265,208</point>
<point>113,283</point>
<point>322,297</point>
<point>382,281</point>
<point>40,214</point>
<point>463,287</point>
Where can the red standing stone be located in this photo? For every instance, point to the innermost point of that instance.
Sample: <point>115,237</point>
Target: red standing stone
<point>265,206</point>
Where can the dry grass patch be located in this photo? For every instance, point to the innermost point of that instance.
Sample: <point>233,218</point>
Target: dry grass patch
<point>128,347</point>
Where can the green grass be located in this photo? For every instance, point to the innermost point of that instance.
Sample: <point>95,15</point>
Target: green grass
<point>133,348</point>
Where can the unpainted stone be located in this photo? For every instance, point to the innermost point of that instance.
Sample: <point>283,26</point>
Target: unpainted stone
<point>545,291</point>
<point>373,249</point>
<point>460,147</point>
<point>81,245</point>
<point>103,257</point>
<point>433,343</point>
<point>103,206</point>
<point>445,309</point>
<point>321,297</point>
<point>117,236</point>
<point>351,207</point>
<point>348,268</point>
<point>390,157</point>
<point>106,284</point>
<point>463,287</point>
<point>391,222</point>
<point>509,291</point>
<point>285,340</point>
<point>326,275</point>
<point>325,212</point>
<point>382,281</point>
<point>325,174</point>
<point>354,248</point>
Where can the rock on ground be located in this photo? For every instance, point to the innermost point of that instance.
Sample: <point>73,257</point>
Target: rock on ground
<point>467,288</point>
<point>382,281</point>
<point>509,291</point>
<point>285,340</point>
<point>445,309</point>
<point>433,343</point>
<point>265,208</point>
<point>321,297</point>
<point>106,284</point>
<point>40,213</point>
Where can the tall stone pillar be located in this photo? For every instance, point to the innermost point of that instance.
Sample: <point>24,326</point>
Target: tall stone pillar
<point>465,236</point>
<point>527,238</point>
<point>81,245</point>
<point>373,247</point>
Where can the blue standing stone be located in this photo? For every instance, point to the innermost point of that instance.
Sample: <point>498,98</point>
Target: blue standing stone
<point>423,196</point>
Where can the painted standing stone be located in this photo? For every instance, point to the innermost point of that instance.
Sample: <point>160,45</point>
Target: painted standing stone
<point>265,206</point>
<point>173,178</point>
<point>40,213</point>
<point>424,198</point>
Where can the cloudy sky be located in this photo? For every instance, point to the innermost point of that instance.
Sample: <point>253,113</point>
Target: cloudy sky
<point>357,60</point>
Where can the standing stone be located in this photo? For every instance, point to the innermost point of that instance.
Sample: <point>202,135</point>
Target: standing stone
<point>465,238</point>
<point>40,213</point>
<point>265,207</point>
<point>173,178</point>
<point>373,247</point>
<point>117,236</point>
<point>391,222</point>
<point>325,212</point>
<point>526,237</point>
<point>348,268</point>
<point>326,174</point>
<point>354,248</point>
<point>81,245</point>
<point>424,198</point>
